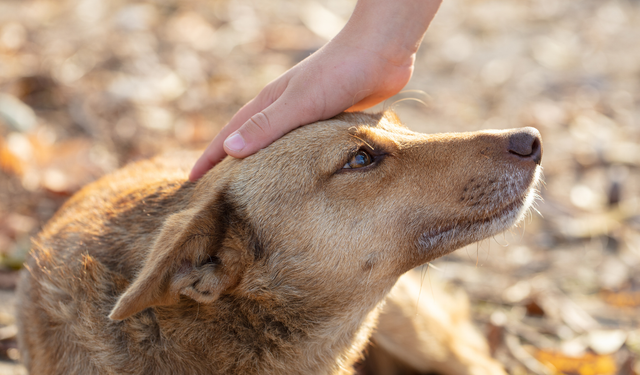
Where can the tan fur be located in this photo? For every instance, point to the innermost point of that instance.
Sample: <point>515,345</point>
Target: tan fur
<point>274,264</point>
<point>424,327</point>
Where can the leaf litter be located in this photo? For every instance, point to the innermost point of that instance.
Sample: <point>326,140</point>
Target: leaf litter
<point>87,86</point>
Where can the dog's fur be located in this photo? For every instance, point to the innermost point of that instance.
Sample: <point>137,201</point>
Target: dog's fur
<point>424,328</point>
<point>274,264</point>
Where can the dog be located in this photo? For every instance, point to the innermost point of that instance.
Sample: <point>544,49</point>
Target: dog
<point>274,264</point>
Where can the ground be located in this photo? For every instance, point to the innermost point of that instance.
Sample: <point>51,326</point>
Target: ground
<point>89,85</point>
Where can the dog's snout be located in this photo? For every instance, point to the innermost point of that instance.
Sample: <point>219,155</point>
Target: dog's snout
<point>526,143</point>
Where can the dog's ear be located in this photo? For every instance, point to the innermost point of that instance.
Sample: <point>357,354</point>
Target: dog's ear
<point>190,257</point>
<point>392,117</point>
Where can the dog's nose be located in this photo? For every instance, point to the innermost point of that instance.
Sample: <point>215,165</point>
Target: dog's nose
<point>527,144</point>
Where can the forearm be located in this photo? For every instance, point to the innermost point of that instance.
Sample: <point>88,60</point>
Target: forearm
<point>392,28</point>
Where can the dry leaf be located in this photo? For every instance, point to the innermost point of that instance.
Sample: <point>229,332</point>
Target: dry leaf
<point>9,163</point>
<point>588,364</point>
<point>622,298</point>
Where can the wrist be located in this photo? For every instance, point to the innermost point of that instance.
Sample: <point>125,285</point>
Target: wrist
<point>393,29</point>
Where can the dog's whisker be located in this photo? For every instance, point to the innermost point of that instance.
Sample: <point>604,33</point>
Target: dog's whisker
<point>422,273</point>
<point>488,250</point>
<point>270,248</point>
<point>416,91</point>
<point>431,265</point>
<point>363,141</point>
<point>353,100</point>
<point>433,295</point>
<point>467,251</point>
<point>409,99</point>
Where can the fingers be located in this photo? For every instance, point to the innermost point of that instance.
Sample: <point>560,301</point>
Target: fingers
<point>323,85</point>
<point>214,153</point>
<point>261,129</point>
<point>211,156</point>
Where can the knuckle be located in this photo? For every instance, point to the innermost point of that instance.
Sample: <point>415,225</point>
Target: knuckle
<point>260,123</point>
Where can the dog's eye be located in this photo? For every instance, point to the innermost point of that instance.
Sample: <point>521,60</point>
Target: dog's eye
<point>359,160</point>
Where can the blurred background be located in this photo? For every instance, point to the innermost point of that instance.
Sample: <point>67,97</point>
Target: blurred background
<point>87,86</point>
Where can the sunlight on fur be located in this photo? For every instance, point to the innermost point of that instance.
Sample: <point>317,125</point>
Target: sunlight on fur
<point>286,262</point>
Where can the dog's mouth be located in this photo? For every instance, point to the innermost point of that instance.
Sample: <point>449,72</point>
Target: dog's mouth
<point>446,238</point>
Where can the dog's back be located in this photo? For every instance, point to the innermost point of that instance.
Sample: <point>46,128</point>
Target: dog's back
<point>271,264</point>
<point>86,256</point>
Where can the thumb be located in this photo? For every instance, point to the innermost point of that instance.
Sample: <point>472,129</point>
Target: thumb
<point>266,126</point>
<point>215,152</point>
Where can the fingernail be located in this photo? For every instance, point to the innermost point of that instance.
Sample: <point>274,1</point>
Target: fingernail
<point>234,142</point>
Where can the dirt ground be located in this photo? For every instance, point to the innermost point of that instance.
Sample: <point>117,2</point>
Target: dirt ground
<point>87,86</point>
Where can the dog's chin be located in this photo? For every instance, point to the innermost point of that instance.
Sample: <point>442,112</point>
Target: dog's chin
<point>445,239</point>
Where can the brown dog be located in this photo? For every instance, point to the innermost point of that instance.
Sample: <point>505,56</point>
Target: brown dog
<point>274,264</point>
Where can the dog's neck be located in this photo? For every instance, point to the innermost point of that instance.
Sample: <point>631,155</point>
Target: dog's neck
<point>267,327</point>
<point>253,336</point>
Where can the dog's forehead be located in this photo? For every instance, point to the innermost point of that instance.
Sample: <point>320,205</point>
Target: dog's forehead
<point>303,158</point>
<point>344,128</point>
<point>316,149</point>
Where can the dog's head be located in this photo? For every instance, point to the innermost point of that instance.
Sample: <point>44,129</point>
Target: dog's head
<point>338,208</point>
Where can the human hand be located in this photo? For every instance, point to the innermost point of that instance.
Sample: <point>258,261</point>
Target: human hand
<point>360,67</point>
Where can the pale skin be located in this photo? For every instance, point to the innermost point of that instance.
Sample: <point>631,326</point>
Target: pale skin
<point>369,61</point>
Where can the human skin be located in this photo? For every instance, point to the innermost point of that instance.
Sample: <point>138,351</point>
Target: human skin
<point>369,61</point>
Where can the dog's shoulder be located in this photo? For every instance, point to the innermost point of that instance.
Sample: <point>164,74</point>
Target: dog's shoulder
<point>114,217</point>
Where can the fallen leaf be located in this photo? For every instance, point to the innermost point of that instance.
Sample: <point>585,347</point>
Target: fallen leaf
<point>588,364</point>
<point>622,298</point>
<point>9,163</point>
